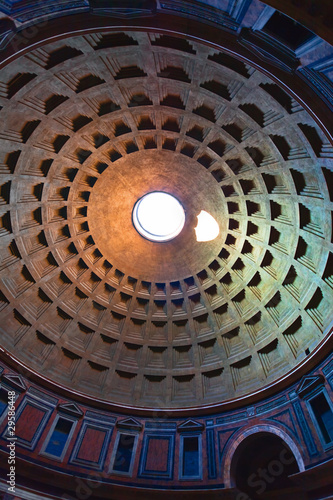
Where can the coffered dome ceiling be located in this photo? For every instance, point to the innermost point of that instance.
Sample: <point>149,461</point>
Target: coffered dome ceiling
<point>92,123</point>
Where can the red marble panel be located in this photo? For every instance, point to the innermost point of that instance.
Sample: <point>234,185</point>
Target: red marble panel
<point>91,445</point>
<point>223,438</point>
<point>28,422</point>
<point>157,455</point>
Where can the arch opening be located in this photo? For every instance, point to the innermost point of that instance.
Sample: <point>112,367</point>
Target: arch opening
<point>262,464</point>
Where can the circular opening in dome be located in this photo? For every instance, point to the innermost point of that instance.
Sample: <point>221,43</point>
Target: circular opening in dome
<point>158,216</point>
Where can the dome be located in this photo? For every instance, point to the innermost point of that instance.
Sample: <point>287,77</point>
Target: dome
<point>90,125</point>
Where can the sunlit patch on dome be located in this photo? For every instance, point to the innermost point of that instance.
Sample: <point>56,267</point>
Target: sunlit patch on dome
<point>207,228</point>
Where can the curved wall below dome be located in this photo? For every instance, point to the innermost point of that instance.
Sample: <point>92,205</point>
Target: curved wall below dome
<point>165,453</point>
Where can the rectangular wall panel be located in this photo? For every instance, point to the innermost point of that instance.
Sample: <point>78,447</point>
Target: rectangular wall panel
<point>91,444</point>
<point>29,421</point>
<point>31,418</point>
<point>157,456</point>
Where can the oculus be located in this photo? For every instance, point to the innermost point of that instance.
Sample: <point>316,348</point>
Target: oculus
<point>158,216</point>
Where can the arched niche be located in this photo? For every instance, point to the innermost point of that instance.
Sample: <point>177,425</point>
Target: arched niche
<point>259,460</point>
